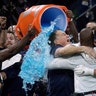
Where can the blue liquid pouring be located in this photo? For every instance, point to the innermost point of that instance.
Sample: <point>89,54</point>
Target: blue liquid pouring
<point>37,57</point>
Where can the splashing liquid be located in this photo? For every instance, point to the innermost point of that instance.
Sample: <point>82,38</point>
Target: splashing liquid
<point>37,57</point>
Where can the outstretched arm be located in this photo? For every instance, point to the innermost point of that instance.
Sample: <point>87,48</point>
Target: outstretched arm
<point>14,49</point>
<point>71,50</point>
<point>61,63</point>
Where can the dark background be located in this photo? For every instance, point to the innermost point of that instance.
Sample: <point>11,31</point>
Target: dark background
<point>83,12</point>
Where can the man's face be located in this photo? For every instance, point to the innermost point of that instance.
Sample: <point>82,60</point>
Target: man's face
<point>10,40</point>
<point>62,38</point>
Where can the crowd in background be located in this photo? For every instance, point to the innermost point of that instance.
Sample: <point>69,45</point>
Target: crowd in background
<point>12,9</point>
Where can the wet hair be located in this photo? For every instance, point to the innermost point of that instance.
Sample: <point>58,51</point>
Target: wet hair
<point>51,38</point>
<point>87,37</point>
